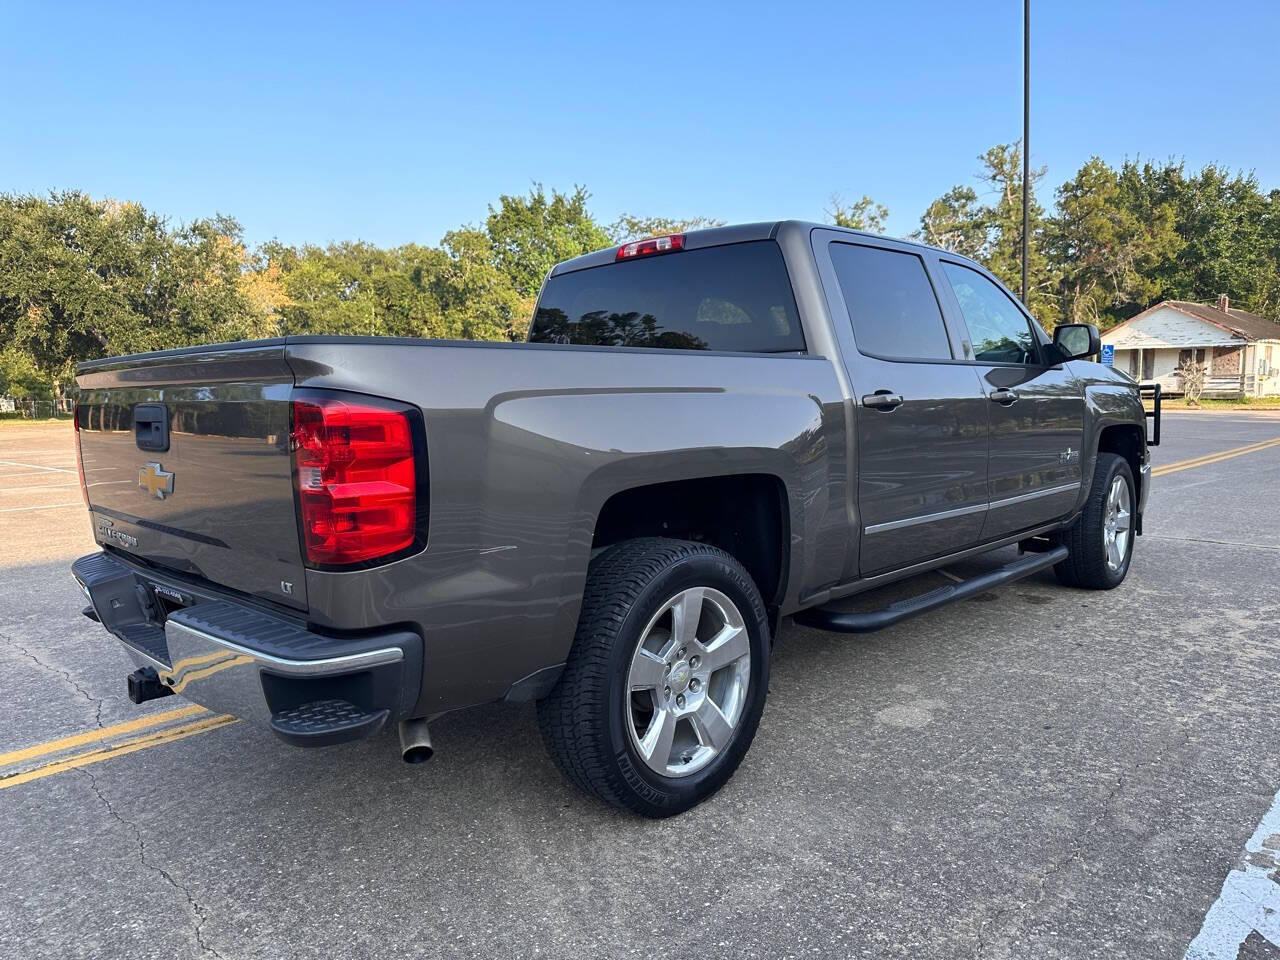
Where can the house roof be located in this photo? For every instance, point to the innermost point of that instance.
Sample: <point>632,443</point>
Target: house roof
<point>1239,323</point>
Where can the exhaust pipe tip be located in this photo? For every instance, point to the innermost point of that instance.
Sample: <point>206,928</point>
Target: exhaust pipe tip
<point>415,741</point>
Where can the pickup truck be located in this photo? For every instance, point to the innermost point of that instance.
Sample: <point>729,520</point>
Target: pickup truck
<point>705,433</point>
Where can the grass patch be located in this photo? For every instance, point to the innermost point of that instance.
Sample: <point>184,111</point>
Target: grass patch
<point>1222,403</point>
<point>10,422</point>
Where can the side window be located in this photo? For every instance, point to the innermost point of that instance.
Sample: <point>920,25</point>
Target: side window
<point>891,302</point>
<point>998,330</point>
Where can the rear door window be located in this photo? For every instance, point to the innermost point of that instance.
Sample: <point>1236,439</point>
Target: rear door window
<point>735,297</point>
<point>892,306</point>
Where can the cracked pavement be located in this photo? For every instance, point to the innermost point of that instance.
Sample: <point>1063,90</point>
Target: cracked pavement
<point>1034,773</point>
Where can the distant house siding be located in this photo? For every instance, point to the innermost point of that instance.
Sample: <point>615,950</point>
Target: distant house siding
<point>1167,327</point>
<point>1151,347</point>
<point>1267,367</point>
<point>1151,364</point>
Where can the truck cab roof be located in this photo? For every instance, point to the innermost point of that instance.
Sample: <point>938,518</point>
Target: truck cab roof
<point>740,233</point>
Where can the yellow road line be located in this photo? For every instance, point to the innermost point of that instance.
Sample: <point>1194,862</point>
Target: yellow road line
<point>102,733</point>
<point>153,739</point>
<point>236,661</point>
<point>1210,458</point>
<point>1219,454</point>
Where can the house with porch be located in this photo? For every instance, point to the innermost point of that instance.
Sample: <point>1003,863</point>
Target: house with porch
<point>1241,349</point>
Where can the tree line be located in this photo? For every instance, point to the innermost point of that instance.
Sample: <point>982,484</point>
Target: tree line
<point>83,278</point>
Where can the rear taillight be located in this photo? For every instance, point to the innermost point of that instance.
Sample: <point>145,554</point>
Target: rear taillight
<point>75,417</point>
<point>357,479</point>
<point>647,248</point>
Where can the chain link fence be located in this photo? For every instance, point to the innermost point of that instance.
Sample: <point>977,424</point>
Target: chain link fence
<point>26,409</point>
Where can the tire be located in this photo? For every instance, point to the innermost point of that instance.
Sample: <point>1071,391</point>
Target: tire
<point>593,724</point>
<point>1091,563</point>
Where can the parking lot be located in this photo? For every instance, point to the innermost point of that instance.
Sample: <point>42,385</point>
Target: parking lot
<point>1037,772</point>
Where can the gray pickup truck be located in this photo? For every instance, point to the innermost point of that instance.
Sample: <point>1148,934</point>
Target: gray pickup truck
<point>704,433</point>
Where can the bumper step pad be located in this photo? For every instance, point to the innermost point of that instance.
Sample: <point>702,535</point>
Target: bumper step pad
<point>324,722</point>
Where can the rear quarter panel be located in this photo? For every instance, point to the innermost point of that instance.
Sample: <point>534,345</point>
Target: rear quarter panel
<point>526,443</point>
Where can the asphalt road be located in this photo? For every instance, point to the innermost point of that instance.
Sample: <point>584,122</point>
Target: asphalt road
<point>1038,772</point>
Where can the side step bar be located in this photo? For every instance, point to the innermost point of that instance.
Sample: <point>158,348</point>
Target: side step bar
<point>848,621</point>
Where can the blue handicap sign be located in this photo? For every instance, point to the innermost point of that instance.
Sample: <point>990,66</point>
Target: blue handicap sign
<point>1109,354</point>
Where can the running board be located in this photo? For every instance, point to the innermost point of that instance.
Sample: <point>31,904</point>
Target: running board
<point>848,621</point>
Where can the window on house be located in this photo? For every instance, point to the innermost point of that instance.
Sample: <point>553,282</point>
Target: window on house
<point>1134,358</point>
<point>1148,364</point>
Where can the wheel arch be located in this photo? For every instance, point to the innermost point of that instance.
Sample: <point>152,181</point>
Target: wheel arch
<point>1129,441</point>
<point>745,514</point>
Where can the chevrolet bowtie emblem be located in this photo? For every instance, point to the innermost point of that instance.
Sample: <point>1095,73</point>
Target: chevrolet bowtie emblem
<point>157,481</point>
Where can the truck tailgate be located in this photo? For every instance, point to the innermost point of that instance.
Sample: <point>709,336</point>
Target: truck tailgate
<point>187,465</point>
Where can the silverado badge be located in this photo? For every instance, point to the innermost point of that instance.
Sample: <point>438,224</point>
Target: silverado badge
<point>157,481</point>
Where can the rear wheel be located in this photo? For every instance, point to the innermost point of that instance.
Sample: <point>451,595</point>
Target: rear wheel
<point>666,679</point>
<point>1100,543</point>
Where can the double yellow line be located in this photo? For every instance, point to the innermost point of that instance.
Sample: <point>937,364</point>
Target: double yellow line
<point>1209,458</point>
<point>105,743</point>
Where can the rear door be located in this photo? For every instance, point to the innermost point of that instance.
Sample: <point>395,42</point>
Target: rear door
<point>187,465</point>
<point>921,416</point>
<point>1036,407</point>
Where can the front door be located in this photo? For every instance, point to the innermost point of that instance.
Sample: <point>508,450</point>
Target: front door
<point>921,418</point>
<point>1036,408</point>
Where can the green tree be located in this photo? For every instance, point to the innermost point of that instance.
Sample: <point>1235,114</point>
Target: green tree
<point>957,222</point>
<point>81,278</point>
<point>478,299</point>
<point>1101,250</point>
<point>529,235</point>
<point>630,227</point>
<point>20,377</point>
<point>1224,230</point>
<point>1002,172</point>
<point>864,214</point>
<point>991,233</point>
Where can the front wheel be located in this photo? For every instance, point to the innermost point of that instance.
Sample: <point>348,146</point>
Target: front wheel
<point>1100,542</point>
<point>666,679</point>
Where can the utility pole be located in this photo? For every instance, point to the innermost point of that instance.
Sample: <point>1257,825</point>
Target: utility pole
<point>1026,141</point>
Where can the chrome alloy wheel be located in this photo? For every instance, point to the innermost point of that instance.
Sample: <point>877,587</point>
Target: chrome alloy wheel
<point>1116,523</point>
<point>687,685</point>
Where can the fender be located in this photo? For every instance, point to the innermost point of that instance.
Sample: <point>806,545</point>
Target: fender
<point>1108,401</point>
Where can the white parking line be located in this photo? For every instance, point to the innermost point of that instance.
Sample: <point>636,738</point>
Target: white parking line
<point>43,486</point>
<point>1250,898</point>
<point>48,506</point>
<point>34,466</point>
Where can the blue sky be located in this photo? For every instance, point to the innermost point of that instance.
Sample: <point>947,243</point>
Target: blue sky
<point>396,122</point>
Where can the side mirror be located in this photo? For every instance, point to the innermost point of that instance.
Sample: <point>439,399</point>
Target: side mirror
<point>1076,341</point>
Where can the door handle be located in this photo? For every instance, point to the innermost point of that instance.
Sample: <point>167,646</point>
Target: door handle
<point>882,400</point>
<point>1003,396</point>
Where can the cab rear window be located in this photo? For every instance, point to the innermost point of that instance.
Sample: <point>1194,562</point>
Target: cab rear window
<point>734,298</point>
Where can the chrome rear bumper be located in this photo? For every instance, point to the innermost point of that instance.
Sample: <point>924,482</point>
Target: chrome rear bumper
<point>310,688</point>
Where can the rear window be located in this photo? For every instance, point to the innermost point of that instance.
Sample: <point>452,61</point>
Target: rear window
<point>732,298</point>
